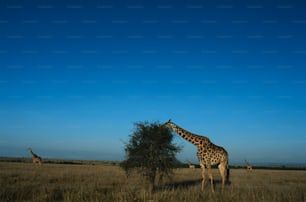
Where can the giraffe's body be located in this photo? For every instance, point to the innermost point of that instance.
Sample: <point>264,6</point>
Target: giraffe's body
<point>248,166</point>
<point>208,154</point>
<point>35,158</point>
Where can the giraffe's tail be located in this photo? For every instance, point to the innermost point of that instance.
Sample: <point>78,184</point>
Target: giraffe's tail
<point>227,174</point>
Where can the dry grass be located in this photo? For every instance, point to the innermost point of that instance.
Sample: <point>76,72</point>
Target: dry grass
<point>54,182</point>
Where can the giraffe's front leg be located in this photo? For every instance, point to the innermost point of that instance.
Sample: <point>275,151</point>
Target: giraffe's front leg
<point>210,176</point>
<point>202,169</point>
<point>203,175</point>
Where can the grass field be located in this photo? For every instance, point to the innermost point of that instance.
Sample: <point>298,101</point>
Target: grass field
<point>60,182</point>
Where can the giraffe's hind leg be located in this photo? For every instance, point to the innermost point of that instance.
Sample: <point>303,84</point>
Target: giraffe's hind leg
<point>223,169</point>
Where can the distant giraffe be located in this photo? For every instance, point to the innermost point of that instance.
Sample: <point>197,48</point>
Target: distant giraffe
<point>191,166</point>
<point>208,154</point>
<point>35,158</point>
<point>248,166</point>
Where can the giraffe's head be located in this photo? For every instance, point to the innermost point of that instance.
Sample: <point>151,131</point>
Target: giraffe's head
<point>168,123</point>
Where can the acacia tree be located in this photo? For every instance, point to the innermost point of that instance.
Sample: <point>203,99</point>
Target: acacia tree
<point>150,149</point>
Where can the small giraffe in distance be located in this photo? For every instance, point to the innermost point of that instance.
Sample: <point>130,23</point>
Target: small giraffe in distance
<point>208,154</point>
<point>248,166</point>
<point>35,158</point>
<point>191,166</point>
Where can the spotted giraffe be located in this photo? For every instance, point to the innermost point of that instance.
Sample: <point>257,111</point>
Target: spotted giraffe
<point>208,154</point>
<point>35,158</point>
<point>191,166</point>
<point>248,166</point>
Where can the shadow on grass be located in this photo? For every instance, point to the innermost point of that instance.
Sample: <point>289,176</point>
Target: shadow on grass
<point>189,183</point>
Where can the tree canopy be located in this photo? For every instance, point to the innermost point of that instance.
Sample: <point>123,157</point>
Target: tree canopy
<point>151,150</point>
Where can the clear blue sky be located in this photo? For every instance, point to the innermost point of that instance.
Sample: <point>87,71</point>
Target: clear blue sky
<point>76,75</point>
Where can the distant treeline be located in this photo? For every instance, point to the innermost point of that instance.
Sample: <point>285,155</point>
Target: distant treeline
<point>272,167</point>
<point>59,161</point>
<point>100,162</point>
<point>281,167</point>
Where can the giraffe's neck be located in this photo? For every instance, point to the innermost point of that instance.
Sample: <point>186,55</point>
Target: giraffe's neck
<point>190,137</point>
<point>33,154</point>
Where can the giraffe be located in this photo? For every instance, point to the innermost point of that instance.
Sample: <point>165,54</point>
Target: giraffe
<point>208,154</point>
<point>248,166</point>
<point>191,166</point>
<point>35,158</point>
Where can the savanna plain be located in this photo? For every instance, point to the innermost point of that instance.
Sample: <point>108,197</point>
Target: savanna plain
<point>108,182</point>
